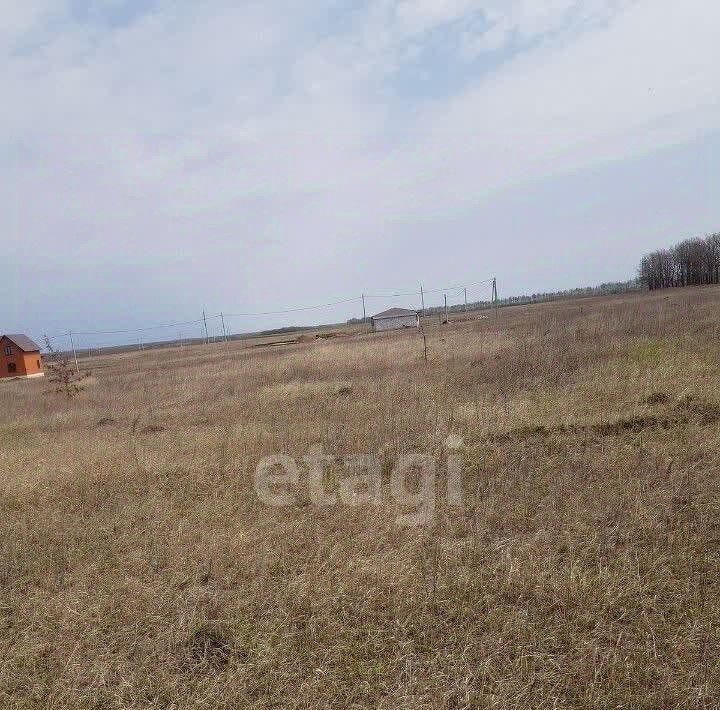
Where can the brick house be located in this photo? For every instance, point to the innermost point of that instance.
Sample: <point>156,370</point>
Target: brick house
<point>20,357</point>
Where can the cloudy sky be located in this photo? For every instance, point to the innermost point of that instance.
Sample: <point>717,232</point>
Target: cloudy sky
<point>161,156</point>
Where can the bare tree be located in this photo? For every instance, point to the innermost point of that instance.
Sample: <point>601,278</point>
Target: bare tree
<point>61,374</point>
<point>692,262</point>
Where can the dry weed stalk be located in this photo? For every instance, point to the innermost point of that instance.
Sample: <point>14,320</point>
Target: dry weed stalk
<point>61,374</point>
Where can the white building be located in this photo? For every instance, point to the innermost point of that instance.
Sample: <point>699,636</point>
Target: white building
<point>395,318</point>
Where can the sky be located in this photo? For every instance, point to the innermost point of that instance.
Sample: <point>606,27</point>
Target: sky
<point>161,157</point>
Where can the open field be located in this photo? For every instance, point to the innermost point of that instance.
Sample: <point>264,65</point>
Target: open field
<point>138,569</point>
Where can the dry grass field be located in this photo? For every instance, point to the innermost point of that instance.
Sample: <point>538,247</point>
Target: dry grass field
<point>138,569</point>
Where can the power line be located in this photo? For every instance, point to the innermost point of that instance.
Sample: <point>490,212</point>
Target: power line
<point>423,291</point>
<point>294,310</point>
<point>283,311</point>
<point>140,330</point>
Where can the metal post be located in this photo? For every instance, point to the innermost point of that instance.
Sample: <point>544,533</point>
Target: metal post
<point>446,311</point>
<point>72,344</point>
<point>207,337</point>
<point>222,318</point>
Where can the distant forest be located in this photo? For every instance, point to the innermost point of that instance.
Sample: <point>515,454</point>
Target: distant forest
<point>692,262</point>
<point>604,289</point>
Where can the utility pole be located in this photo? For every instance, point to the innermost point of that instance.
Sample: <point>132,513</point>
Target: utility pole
<point>422,299</point>
<point>222,318</point>
<point>494,294</point>
<point>72,345</point>
<point>446,311</point>
<point>141,344</point>
<point>465,290</point>
<point>363,302</point>
<point>207,338</point>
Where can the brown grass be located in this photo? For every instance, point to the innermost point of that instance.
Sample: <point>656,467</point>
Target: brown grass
<point>139,570</point>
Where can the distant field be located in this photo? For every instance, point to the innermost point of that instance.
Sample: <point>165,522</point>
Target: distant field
<point>139,569</point>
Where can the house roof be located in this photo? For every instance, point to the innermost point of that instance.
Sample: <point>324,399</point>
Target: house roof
<point>23,342</point>
<point>395,313</point>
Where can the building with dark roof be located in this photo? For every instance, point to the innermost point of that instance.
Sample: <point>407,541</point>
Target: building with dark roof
<point>20,357</point>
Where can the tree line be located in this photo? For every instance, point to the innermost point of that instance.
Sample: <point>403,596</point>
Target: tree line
<point>604,289</point>
<point>692,262</point>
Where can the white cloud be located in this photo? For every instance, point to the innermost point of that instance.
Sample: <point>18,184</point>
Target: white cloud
<point>211,126</point>
<point>419,16</point>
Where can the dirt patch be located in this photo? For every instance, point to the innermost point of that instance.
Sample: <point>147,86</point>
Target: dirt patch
<point>707,412</point>
<point>686,410</point>
<point>332,334</point>
<point>152,429</point>
<point>209,647</point>
<point>276,343</point>
<point>656,398</point>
